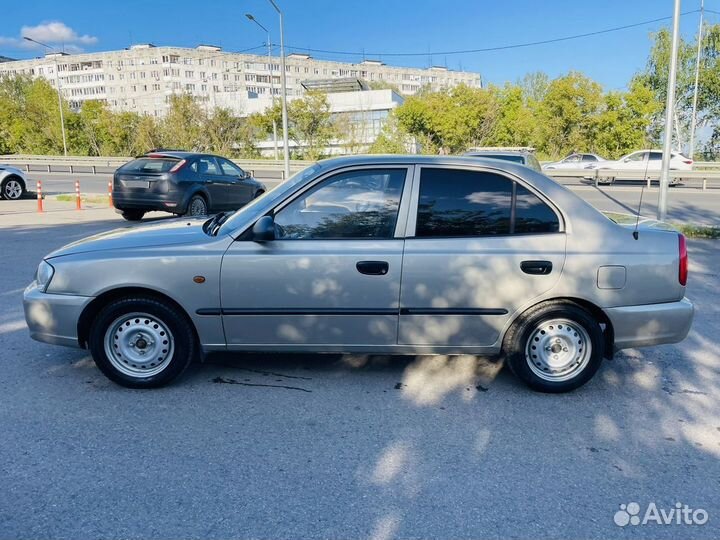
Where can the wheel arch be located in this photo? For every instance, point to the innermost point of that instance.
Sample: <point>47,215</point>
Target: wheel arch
<point>593,309</point>
<point>197,190</point>
<point>10,175</point>
<point>94,307</point>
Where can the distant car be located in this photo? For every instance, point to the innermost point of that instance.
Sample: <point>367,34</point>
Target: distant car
<point>13,183</point>
<point>374,255</point>
<point>575,161</point>
<point>182,183</point>
<point>523,157</point>
<point>646,160</point>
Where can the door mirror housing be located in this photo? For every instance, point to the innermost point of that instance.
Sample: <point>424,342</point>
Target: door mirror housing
<point>264,229</point>
<point>245,175</point>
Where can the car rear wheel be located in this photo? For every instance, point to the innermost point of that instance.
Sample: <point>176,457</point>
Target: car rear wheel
<point>133,215</point>
<point>141,342</point>
<point>12,188</point>
<point>555,347</point>
<point>197,206</point>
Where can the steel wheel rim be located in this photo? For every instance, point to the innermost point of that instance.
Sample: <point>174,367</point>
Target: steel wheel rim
<point>13,189</point>
<point>197,207</point>
<point>558,350</point>
<point>139,345</point>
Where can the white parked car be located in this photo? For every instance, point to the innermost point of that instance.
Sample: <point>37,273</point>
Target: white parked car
<point>648,160</point>
<point>13,183</point>
<point>575,161</point>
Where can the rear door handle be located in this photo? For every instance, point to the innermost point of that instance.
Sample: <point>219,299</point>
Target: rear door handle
<point>538,268</point>
<point>373,268</point>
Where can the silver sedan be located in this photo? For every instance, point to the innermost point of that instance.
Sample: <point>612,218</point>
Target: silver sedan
<point>368,254</point>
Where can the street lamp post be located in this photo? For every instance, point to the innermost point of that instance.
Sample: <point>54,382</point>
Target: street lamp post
<point>283,84</point>
<point>272,85</point>
<point>693,119</point>
<point>57,86</point>
<point>669,114</point>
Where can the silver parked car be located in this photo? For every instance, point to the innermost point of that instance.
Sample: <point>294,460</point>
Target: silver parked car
<point>13,183</point>
<point>524,157</point>
<point>370,254</point>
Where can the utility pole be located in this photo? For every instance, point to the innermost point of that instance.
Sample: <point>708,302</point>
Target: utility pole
<point>669,116</point>
<point>693,119</point>
<point>272,84</point>
<point>58,88</point>
<point>283,84</point>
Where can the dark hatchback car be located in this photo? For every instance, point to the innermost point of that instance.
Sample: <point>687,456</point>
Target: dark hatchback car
<point>181,183</point>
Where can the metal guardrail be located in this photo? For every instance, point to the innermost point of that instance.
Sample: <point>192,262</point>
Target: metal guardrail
<point>704,171</point>
<point>95,165</point>
<point>611,176</point>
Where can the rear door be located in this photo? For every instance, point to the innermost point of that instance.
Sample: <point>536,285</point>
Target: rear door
<point>240,191</point>
<point>478,247</point>
<point>216,183</point>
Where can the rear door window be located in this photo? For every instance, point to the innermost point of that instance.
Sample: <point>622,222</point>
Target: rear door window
<point>655,156</point>
<point>459,203</point>
<point>149,165</point>
<point>229,168</point>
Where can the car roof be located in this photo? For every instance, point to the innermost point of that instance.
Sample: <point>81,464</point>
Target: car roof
<point>415,159</point>
<point>179,154</point>
<point>498,153</point>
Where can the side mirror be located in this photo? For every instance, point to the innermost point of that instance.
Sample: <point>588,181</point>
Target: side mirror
<point>626,160</point>
<point>246,175</point>
<point>264,229</point>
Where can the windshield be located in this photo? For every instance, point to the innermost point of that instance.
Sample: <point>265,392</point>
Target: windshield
<point>149,165</point>
<point>237,219</point>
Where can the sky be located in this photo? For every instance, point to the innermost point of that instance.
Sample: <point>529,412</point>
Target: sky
<point>376,27</point>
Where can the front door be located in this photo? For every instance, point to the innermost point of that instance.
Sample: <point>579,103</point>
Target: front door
<point>479,246</point>
<point>331,277</point>
<point>240,191</point>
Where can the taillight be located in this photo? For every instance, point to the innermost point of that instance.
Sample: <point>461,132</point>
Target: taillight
<point>683,269</point>
<point>687,161</point>
<point>179,165</point>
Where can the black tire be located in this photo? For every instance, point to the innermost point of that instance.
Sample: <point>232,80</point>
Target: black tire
<point>133,215</point>
<point>197,206</point>
<point>12,188</point>
<point>182,346</point>
<point>527,332</point>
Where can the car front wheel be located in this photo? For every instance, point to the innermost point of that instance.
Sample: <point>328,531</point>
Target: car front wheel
<point>555,347</point>
<point>141,342</point>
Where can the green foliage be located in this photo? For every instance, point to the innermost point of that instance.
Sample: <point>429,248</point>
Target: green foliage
<point>449,122</point>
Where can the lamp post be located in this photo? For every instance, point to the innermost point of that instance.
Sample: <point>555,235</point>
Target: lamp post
<point>272,86</point>
<point>693,119</point>
<point>669,115</point>
<point>283,84</point>
<point>57,86</point>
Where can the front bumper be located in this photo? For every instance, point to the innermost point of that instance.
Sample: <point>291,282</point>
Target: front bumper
<point>53,318</point>
<point>651,324</point>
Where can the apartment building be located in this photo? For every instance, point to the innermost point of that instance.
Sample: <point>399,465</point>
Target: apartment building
<point>143,77</point>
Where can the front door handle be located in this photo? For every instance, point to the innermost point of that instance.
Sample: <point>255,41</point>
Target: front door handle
<point>537,268</point>
<point>373,268</point>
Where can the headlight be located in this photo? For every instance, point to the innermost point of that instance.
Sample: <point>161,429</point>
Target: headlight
<point>43,275</point>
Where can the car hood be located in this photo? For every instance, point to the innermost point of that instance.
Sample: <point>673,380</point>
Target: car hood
<point>164,233</point>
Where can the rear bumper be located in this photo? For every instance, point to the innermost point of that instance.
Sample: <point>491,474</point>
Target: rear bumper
<point>651,324</point>
<point>173,201</point>
<point>53,318</point>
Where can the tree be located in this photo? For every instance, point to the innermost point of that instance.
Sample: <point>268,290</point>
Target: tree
<point>391,140</point>
<point>567,114</point>
<point>449,121</point>
<point>183,126</point>
<point>516,123</point>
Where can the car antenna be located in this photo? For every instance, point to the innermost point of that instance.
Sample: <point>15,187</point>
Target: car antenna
<point>636,233</point>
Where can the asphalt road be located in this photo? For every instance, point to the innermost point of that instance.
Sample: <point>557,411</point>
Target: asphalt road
<point>686,203</point>
<point>318,446</point>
